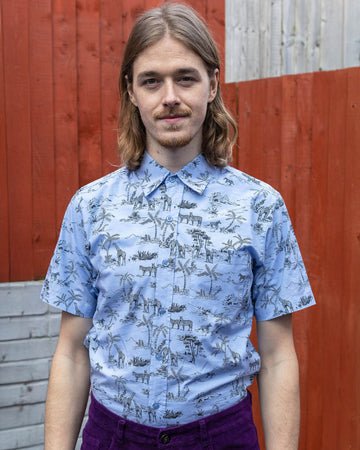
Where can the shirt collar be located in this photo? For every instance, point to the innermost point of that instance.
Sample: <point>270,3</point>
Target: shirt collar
<point>196,175</point>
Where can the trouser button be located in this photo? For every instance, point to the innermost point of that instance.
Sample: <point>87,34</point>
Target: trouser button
<point>165,438</point>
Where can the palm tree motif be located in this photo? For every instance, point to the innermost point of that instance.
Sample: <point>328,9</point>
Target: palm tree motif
<point>232,217</point>
<point>241,241</point>
<point>228,245</point>
<point>107,243</point>
<point>146,178</point>
<point>111,315</point>
<point>212,274</point>
<point>185,269</point>
<point>221,318</point>
<point>120,382</point>
<point>68,300</point>
<point>160,329</point>
<point>70,271</point>
<point>129,186</point>
<point>111,340</point>
<point>126,278</point>
<point>155,220</point>
<point>179,377</point>
<point>149,325</point>
<point>102,218</point>
<point>165,225</point>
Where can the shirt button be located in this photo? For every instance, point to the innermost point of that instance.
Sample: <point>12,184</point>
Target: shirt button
<point>156,406</point>
<point>162,311</point>
<point>165,263</point>
<point>165,438</point>
<point>159,356</point>
<point>172,179</point>
<point>169,219</point>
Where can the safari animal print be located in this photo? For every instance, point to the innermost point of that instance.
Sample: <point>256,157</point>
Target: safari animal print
<point>172,268</point>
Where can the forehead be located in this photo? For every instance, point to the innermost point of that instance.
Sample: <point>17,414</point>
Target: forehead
<point>167,55</point>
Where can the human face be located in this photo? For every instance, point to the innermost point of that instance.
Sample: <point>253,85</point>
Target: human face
<point>171,88</point>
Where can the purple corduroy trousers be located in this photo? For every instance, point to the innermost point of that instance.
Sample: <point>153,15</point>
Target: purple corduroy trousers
<point>232,428</point>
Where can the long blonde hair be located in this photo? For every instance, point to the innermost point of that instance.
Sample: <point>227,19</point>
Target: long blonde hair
<point>182,23</point>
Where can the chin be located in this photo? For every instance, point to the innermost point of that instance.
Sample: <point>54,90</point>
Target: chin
<point>175,142</point>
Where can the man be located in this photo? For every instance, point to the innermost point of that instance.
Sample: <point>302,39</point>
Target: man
<point>161,266</point>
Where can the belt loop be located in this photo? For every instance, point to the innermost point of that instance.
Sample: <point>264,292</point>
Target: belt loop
<point>204,434</point>
<point>120,430</point>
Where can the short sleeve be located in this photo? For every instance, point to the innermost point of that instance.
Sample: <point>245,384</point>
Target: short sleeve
<point>281,285</point>
<point>70,280</point>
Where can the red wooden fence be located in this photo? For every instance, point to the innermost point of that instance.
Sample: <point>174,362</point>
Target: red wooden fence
<point>59,65</point>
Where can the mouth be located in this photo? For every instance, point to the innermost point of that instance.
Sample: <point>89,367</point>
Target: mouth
<point>172,117</point>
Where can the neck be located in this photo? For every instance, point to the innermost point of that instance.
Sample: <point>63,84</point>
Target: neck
<point>174,159</point>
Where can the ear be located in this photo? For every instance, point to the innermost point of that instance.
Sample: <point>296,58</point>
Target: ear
<point>130,91</point>
<point>214,82</point>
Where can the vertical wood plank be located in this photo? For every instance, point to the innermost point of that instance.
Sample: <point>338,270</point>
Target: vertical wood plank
<point>302,210</point>
<point>65,105</point>
<point>350,361</point>
<point>130,13</point>
<point>236,49</point>
<point>42,134</point>
<point>216,23</point>
<point>303,158</point>
<point>312,428</point>
<point>244,124</point>
<point>17,110</point>
<point>265,38</point>
<point>110,60</point>
<point>314,36</point>
<point>252,129</point>
<point>288,37</point>
<point>89,129</point>
<point>334,251</point>
<point>272,132</point>
<point>253,40</point>
<point>4,205</point>
<point>301,30</point>
<point>351,26</point>
<point>276,39</point>
<point>200,6</point>
<point>332,42</point>
<point>288,142</point>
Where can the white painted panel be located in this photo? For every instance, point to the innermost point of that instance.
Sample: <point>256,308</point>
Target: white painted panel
<point>314,36</point>
<point>352,35</point>
<point>276,39</point>
<point>266,38</point>
<point>253,39</point>
<point>332,34</point>
<point>289,27</point>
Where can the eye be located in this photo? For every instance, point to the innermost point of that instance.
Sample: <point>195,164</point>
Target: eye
<point>186,80</point>
<point>150,82</point>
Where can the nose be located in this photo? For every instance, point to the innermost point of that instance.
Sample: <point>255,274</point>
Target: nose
<point>170,98</point>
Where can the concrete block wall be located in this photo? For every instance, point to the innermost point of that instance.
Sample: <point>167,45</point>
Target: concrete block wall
<point>28,335</point>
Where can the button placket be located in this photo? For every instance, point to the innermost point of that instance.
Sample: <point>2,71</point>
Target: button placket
<point>163,295</point>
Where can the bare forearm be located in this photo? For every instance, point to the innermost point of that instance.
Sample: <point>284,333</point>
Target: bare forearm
<point>280,404</point>
<point>66,401</point>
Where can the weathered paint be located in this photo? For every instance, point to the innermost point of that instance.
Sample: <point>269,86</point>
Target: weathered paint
<point>285,37</point>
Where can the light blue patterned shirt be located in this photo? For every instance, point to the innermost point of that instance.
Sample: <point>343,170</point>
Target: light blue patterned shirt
<point>172,269</point>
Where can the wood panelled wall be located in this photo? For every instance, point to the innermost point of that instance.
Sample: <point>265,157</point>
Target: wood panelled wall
<point>58,111</point>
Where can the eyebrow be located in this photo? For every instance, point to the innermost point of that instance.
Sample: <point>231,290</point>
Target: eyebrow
<point>153,73</point>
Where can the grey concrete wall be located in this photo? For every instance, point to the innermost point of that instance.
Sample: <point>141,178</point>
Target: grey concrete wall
<point>28,336</point>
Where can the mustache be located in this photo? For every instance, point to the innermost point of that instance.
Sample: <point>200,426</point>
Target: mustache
<point>173,112</point>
